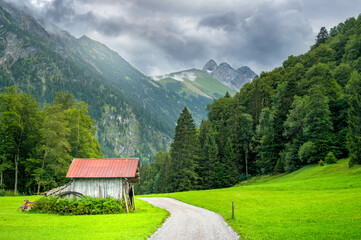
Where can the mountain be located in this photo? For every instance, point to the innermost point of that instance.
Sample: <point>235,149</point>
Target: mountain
<point>193,83</point>
<point>135,116</point>
<point>196,87</point>
<point>227,75</point>
<point>43,62</point>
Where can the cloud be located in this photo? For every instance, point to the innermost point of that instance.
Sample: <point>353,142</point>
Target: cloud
<point>60,10</point>
<point>160,36</point>
<point>226,21</point>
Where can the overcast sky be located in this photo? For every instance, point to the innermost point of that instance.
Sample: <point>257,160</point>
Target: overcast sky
<point>158,36</point>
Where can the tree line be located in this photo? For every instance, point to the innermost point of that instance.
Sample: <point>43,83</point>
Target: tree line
<point>295,115</point>
<point>37,144</point>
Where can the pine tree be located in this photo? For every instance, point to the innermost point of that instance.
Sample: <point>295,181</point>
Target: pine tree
<point>213,169</point>
<point>266,159</point>
<point>245,137</point>
<point>185,152</point>
<point>281,105</point>
<point>354,119</point>
<point>321,36</point>
<point>317,124</point>
<point>308,130</point>
<point>293,132</point>
<point>241,131</point>
<point>230,163</point>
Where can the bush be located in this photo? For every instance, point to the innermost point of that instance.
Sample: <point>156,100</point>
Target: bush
<point>330,158</point>
<point>321,163</point>
<point>307,152</point>
<point>79,206</point>
<point>8,193</point>
<point>243,177</point>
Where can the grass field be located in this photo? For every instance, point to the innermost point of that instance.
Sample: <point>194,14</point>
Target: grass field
<point>139,224</point>
<point>312,203</point>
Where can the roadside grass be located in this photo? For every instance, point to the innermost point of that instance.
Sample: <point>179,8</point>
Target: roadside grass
<point>315,202</point>
<point>139,224</point>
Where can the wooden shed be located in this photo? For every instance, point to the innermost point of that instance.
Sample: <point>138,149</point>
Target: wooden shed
<point>101,178</point>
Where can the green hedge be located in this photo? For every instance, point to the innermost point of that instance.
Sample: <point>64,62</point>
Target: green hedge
<point>79,206</point>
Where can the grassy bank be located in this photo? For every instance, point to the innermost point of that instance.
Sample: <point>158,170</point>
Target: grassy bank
<point>312,203</point>
<point>139,224</point>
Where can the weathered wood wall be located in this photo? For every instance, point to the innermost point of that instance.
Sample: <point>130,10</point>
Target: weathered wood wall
<point>90,186</point>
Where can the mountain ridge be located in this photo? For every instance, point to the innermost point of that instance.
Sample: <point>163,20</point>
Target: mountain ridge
<point>193,82</point>
<point>135,115</point>
<point>228,76</point>
<point>41,63</point>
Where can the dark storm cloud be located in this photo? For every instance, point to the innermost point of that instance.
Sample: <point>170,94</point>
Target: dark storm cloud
<point>161,36</point>
<point>266,37</point>
<point>60,10</point>
<point>63,12</point>
<point>226,21</point>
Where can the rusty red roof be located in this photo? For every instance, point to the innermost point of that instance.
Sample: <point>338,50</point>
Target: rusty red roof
<point>103,168</point>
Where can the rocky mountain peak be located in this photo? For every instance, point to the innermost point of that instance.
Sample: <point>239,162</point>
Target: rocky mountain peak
<point>225,66</point>
<point>210,66</point>
<point>227,75</point>
<point>246,72</point>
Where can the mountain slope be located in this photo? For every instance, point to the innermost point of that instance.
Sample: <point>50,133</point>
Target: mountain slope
<point>42,63</point>
<point>193,83</point>
<point>138,88</point>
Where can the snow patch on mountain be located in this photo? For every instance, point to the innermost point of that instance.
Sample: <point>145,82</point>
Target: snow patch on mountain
<point>177,76</point>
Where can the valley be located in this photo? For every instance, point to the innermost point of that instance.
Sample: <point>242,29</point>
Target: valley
<point>134,114</point>
<point>276,155</point>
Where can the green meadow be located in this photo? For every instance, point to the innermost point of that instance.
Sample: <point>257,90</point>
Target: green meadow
<point>315,202</point>
<point>139,224</point>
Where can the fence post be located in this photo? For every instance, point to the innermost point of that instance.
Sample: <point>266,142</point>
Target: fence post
<point>232,209</point>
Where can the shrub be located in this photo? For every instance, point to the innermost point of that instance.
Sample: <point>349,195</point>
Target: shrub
<point>330,158</point>
<point>243,177</point>
<point>79,206</point>
<point>307,152</point>
<point>8,193</point>
<point>321,163</point>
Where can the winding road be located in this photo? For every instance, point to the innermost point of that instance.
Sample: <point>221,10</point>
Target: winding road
<point>190,222</point>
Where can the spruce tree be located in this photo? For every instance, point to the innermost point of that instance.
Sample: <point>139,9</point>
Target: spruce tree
<point>321,36</point>
<point>185,151</point>
<point>266,158</point>
<point>317,124</point>
<point>354,119</point>
<point>293,132</point>
<point>230,162</point>
<point>213,169</point>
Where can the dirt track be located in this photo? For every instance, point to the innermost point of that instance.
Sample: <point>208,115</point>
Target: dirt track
<point>190,222</point>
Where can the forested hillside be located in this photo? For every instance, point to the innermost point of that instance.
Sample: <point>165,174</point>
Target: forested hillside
<point>295,115</point>
<point>38,145</point>
<point>43,62</point>
<point>134,115</point>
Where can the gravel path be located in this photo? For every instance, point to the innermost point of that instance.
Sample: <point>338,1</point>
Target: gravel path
<point>190,222</point>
